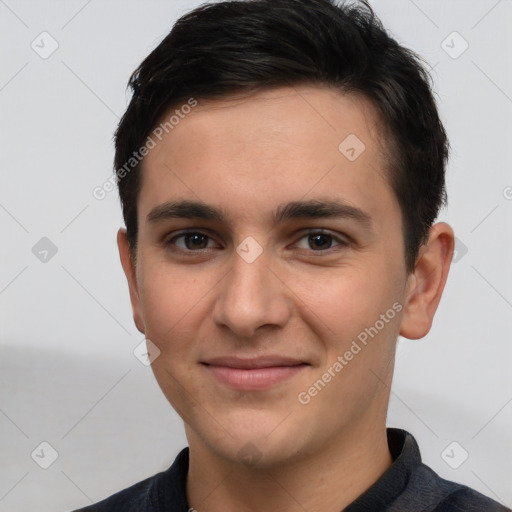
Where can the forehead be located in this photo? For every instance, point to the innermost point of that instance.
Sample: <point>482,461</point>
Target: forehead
<point>307,119</point>
<point>266,148</point>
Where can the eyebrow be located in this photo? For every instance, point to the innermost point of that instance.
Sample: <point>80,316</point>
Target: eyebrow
<point>310,209</point>
<point>319,209</point>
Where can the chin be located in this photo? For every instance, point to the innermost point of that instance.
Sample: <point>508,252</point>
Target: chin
<point>255,441</point>
<point>256,453</point>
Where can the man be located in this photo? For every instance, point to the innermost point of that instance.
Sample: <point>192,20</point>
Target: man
<point>281,166</point>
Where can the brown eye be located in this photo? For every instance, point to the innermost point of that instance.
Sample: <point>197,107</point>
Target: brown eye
<point>195,241</point>
<point>320,241</point>
<point>191,241</point>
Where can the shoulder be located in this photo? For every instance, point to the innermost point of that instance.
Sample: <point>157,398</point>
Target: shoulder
<point>468,500</point>
<point>448,496</point>
<point>418,487</point>
<point>159,492</point>
<point>135,498</point>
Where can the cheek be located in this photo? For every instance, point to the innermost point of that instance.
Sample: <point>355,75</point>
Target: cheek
<point>170,301</point>
<point>345,315</point>
<point>358,343</point>
<point>345,301</point>
<point>171,305</point>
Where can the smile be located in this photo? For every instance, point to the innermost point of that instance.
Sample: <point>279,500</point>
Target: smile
<point>253,374</point>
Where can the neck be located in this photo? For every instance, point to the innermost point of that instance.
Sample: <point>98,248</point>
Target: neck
<point>327,481</point>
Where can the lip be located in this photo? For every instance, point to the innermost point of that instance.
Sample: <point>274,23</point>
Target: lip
<point>253,374</point>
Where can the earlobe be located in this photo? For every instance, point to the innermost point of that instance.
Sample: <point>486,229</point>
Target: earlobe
<point>426,283</point>
<point>131,276</point>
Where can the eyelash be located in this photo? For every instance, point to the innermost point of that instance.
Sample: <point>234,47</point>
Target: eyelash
<point>344,241</point>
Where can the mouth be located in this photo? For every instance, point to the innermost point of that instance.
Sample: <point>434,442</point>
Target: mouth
<point>253,374</point>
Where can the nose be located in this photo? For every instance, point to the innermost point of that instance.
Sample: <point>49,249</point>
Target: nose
<point>251,297</point>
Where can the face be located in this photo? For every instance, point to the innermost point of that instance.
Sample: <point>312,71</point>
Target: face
<point>270,272</point>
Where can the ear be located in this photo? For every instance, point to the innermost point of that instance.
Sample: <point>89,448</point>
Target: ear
<point>426,283</point>
<point>131,276</point>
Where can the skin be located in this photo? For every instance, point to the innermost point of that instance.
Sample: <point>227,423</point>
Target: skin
<point>247,156</point>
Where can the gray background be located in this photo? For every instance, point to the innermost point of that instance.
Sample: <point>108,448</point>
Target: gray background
<point>68,373</point>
